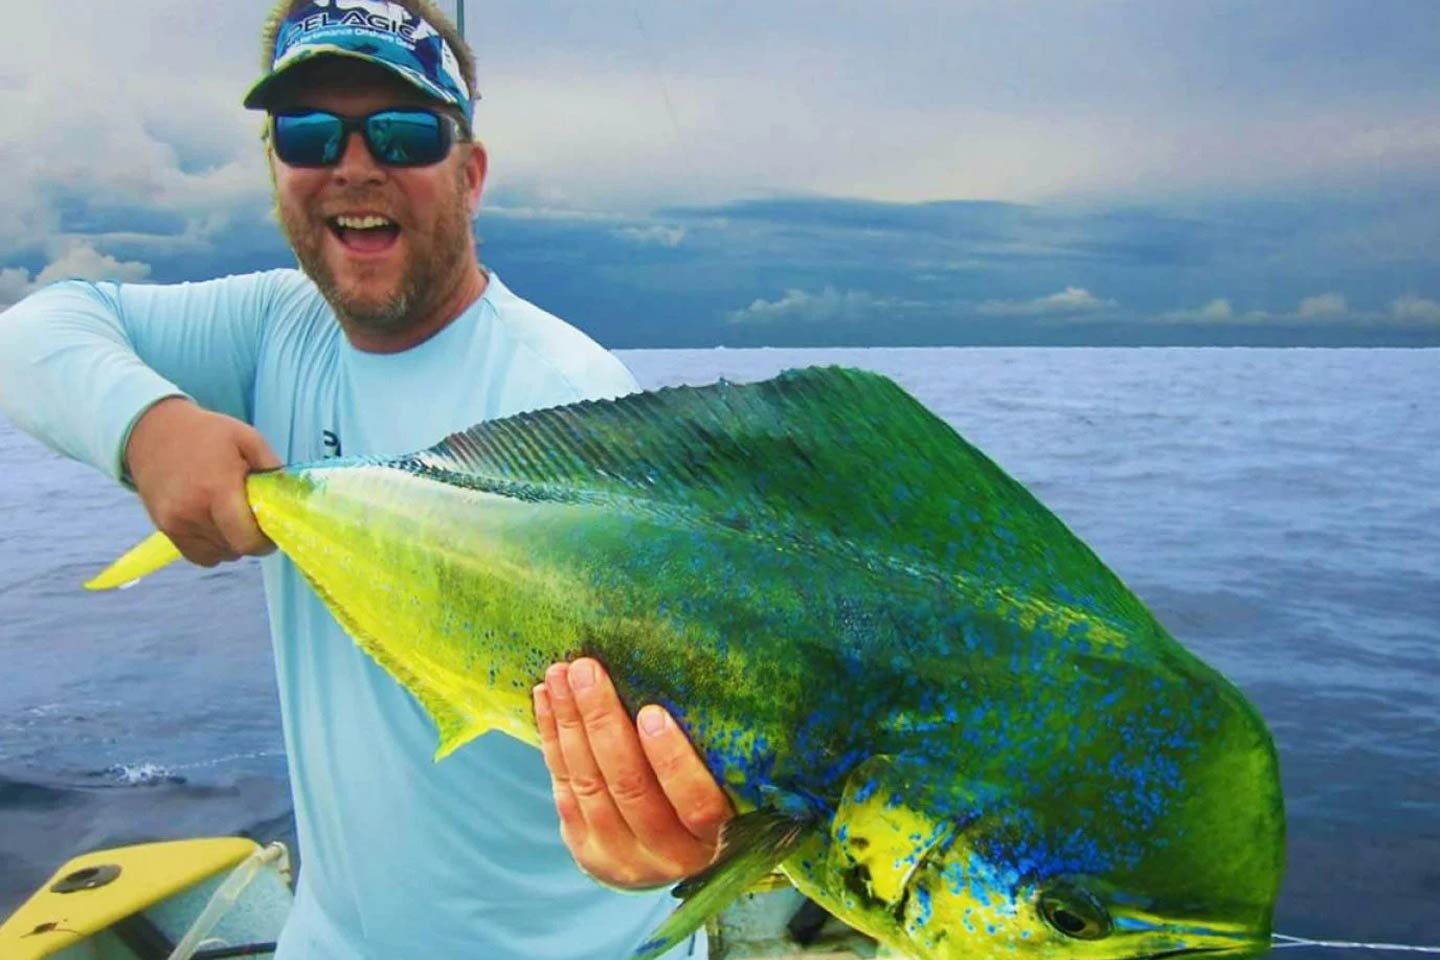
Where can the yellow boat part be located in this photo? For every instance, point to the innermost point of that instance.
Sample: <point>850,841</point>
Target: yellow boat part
<point>94,891</point>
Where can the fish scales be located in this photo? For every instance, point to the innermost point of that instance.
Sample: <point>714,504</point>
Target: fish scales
<point>935,709</point>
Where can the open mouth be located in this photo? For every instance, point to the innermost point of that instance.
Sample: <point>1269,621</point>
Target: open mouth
<point>369,233</point>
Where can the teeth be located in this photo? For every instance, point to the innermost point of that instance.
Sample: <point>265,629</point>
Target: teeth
<point>363,223</point>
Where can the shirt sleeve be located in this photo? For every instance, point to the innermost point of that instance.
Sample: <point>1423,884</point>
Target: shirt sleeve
<point>81,362</point>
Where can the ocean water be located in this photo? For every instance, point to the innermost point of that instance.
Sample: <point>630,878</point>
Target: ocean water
<point>1279,510</point>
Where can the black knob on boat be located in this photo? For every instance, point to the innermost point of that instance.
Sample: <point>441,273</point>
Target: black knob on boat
<point>87,879</point>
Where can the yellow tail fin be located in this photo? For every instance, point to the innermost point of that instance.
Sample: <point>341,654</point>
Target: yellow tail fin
<point>143,559</point>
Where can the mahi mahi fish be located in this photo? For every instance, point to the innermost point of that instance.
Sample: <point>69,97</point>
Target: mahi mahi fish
<point>934,709</point>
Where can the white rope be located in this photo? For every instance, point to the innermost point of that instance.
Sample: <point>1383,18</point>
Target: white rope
<point>1282,941</point>
<point>225,897</point>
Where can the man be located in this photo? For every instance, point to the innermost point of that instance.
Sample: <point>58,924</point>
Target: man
<point>392,337</point>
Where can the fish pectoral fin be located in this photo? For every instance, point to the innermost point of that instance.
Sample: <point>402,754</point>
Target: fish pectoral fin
<point>751,846</point>
<point>141,560</point>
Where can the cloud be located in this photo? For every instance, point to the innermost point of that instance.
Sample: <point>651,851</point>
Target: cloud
<point>79,261</point>
<point>1415,308</point>
<point>1069,300</point>
<point>1323,306</point>
<point>105,146</point>
<point>828,306</point>
<point>1279,181</point>
<point>656,235</point>
<point>691,103</point>
<point>1317,312</point>
<point>1216,311</point>
<point>551,206</point>
<point>83,262</point>
<point>1094,108</point>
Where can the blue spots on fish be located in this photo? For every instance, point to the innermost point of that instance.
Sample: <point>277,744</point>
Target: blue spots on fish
<point>924,906</point>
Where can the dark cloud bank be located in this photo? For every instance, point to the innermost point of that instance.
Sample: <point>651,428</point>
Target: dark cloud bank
<point>820,271</point>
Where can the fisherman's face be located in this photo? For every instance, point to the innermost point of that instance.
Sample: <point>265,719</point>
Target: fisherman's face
<point>386,279</point>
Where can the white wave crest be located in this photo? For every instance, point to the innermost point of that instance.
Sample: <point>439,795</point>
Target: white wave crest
<point>141,774</point>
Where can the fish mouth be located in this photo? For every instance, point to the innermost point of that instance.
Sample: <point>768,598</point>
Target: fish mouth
<point>1182,938</point>
<point>1185,951</point>
<point>1240,947</point>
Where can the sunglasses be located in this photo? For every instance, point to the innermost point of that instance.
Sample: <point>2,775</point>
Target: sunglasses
<point>395,138</point>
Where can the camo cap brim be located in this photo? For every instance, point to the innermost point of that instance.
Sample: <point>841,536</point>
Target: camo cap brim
<point>382,33</point>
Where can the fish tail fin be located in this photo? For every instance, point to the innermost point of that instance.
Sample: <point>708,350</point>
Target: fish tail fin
<point>147,556</point>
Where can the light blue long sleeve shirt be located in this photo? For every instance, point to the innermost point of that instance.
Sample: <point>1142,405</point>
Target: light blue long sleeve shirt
<point>401,857</point>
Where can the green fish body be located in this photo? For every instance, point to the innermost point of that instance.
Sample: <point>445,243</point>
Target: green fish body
<point>936,711</point>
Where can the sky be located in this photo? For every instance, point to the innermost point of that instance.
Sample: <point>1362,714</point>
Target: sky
<point>806,173</point>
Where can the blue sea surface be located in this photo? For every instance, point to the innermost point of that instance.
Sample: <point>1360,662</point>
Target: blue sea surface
<point>1278,510</point>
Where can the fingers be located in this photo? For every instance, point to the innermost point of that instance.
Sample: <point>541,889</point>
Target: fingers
<point>257,452</point>
<point>698,802</point>
<point>231,509</point>
<point>189,466</point>
<point>200,545</point>
<point>621,764</point>
<point>616,815</point>
<point>572,822</point>
<point>583,777</point>
<point>232,516</point>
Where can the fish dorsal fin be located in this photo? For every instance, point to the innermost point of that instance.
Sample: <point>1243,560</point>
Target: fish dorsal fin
<point>836,458</point>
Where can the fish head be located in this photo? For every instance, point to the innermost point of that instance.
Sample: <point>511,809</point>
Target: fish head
<point>959,905</point>
<point>1159,830</point>
<point>941,867</point>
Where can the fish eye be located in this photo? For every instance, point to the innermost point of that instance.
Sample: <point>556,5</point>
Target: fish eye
<point>1075,913</point>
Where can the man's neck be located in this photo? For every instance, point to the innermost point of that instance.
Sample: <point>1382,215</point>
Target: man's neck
<point>468,289</point>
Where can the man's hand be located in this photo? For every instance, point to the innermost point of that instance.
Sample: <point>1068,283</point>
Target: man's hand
<point>189,465</point>
<point>638,808</point>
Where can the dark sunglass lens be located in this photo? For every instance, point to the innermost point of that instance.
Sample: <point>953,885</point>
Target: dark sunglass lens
<point>309,139</point>
<point>407,138</point>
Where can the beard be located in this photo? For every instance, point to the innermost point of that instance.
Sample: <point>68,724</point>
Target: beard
<point>434,261</point>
